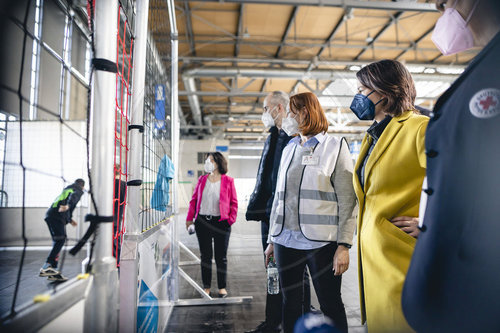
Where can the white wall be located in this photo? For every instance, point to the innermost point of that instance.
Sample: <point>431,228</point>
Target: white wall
<point>242,169</point>
<point>37,231</point>
<point>188,160</point>
<point>51,152</point>
<point>245,160</point>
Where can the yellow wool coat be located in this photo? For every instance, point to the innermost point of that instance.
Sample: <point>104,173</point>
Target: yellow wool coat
<point>394,174</point>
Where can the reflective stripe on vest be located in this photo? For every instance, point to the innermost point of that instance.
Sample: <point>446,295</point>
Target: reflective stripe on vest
<point>318,211</point>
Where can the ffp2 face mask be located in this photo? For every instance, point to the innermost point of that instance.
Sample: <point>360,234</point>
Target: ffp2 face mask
<point>268,119</point>
<point>290,126</point>
<point>209,166</point>
<point>451,33</point>
<point>363,107</point>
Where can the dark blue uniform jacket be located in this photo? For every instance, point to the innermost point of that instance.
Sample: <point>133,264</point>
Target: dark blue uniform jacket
<point>453,283</point>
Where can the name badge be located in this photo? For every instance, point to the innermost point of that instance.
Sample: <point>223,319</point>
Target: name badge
<point>310,160</point>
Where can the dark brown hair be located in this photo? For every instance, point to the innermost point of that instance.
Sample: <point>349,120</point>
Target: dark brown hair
<point>393,81</point>
<point>80,182</point>
<point>315,120</point>
<point>220,160</point>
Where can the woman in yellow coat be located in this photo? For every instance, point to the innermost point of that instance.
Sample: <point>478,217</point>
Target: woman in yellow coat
<point>388,181</point>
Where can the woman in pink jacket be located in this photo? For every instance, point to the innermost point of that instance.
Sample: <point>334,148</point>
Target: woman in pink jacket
<point>213,208</point>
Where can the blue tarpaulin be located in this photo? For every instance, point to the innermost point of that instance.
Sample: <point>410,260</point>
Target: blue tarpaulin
<point>160,197</point>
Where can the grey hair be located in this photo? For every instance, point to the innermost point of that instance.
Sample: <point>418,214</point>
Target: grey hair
<point>279,97</point>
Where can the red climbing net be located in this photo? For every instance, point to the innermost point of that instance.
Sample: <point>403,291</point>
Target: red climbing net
<point>125,41</point>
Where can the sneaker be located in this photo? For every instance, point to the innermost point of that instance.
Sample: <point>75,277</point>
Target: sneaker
<point>264,328</point>
<point>48,270</point>
<point>57,278</point>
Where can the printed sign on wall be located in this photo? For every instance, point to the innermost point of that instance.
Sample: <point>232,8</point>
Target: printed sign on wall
<point>155,280</point>
<point>160,106</point>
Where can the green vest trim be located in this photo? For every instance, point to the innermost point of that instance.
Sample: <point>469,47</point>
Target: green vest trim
<point>63,196</point>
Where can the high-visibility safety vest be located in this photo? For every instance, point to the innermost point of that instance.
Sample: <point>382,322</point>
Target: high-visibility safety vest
<point>318,210</point>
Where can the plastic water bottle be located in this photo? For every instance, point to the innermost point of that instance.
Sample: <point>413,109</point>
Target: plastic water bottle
<point>273,285</point>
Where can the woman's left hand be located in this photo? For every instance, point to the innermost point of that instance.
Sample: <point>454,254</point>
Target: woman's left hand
<point>341,260</point>
<point>407,224</point>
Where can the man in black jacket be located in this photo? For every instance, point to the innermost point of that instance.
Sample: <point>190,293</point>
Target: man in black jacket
<point>57,216</point>
<point>261,200</point>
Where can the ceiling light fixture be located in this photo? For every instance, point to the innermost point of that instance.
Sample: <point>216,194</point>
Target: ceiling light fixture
<point>348,13</point>
<point>246,34</point>
<point>369,39</point>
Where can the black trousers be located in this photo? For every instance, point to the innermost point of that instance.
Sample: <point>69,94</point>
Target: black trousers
<point>208,228</point>
<point>291,264</point>
<point>274,303</point>
<point>57,229</point>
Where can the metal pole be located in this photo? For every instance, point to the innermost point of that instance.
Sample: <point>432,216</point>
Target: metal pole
<point>101,308</point>
<point>174,114</point>
<point>129,259</point>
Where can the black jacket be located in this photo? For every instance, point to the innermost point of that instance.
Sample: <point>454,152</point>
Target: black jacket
<point>261,200</point>
<point>69,196</point>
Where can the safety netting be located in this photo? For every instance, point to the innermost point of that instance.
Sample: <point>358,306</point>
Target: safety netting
<point>125,43</point>
<point>157,168</point>
<point>46,73</point>
<point>44,85</point>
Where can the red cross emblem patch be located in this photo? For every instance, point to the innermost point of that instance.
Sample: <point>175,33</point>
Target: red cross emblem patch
<point>485,103</point>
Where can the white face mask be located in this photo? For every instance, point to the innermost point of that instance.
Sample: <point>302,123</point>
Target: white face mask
<point>209,166</point>
<point>268,119</point>
<point>290,126</point>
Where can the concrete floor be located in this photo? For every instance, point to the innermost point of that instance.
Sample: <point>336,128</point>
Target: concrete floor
<point>30,283</point>
<point>246,277</point>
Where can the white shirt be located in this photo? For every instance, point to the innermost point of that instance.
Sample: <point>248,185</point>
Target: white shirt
<point>210,199</point>
<point>423,204</point>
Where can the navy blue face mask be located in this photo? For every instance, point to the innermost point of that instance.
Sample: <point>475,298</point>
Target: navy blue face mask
<point>363,107</point>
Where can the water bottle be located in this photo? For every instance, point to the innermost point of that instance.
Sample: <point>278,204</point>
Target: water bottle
<point>273,285</point>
